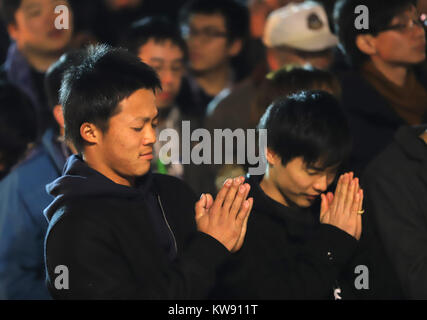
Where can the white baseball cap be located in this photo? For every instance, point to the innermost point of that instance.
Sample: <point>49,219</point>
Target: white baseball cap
<point>303,26</point>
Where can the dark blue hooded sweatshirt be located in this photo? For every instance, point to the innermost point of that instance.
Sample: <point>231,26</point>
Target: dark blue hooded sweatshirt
<point>120,242</point>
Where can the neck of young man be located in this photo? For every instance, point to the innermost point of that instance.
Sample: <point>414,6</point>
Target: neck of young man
<point>93,162</point>
<point>269,187</point>
<point>215,80</point>
<point>395,73</point>
<point>41,61</point>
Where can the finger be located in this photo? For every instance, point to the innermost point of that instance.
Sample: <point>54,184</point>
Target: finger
<point>361,200</point>
<point>349,201</point>
<point>338,188</point>
<point>209,201</point>
<point>220,197</point>
<point>241,196</point>
<point>342,194</point>
<point>358,217</point>
<point>229,198</point>
<point>330,197</point>
<point>244,211</point>
<point>244,228</point>
<point>360,220</point>
<point>199,207</point>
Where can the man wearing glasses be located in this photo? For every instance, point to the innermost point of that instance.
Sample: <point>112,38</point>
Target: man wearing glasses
<point>386,87</point>
<point>215,32</point>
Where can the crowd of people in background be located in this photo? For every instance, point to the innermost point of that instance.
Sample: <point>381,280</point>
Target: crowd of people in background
<point>345,111</point>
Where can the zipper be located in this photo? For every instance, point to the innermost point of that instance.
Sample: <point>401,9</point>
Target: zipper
<point>167,223</point>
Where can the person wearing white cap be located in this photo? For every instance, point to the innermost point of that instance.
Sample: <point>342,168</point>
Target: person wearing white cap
<point>299,33</point>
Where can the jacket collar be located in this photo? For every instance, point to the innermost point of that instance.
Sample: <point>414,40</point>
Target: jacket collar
<point>407,138</point>
<point>54,150</point>
<point>299,222</point>
<point>19,73</point>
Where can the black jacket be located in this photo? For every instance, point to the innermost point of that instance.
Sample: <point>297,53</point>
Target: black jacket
<point>372,121</point>
<point>287,254</point>
<point>396,187</point>
<point>119,243</point>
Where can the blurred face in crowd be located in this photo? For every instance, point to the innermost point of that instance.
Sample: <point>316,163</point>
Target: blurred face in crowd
<point>260,9</point>
<point>298,183</point>
<point>207,42</point>
<point>122,4</point>
<point>404,41</point>
<point>281,56</point>
<point>125,150</point>
<point>34,27</point>
<point>168,61</point>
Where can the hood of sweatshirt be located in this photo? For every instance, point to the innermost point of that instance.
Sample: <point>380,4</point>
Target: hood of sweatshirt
<point>79,180</point>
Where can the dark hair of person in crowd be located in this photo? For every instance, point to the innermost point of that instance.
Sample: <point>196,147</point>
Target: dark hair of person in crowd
<point>236,15</point>
<point>286,81</point>
<point>8,9</point>
<point>18,126</point>
<point>55,73</point>
<point>381,13</point>
<point>91,92</point>
<point>309,124</point>
<point>158,28</point>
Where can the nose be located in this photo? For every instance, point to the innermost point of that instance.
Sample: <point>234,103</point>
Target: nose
<point>149,137</point>
<point>167,77</point>
<point>321,184</point>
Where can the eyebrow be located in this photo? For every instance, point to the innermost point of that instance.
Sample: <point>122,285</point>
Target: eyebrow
<point>147,119</point>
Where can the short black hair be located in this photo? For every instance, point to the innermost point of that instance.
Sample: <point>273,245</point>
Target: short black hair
<point>159,29</point>
<point>91,92</point>
<point>8,9</point>
<point>309,124</point>
<point>236,15</point>
<point>18,125</point>
<point>381,13</point>
<point>55,73</point>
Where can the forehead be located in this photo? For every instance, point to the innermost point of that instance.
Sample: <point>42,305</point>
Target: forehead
<point>301,164</point>
<point>202,20</point>
<point>160,48</point>
<point>26,4</point>
<point>140,105</point>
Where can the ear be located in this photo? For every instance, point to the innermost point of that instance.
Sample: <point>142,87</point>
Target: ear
<point>272,157</point>
<point>90,133</point>
<point>58,115</point>
<point>272,60</point>
<point>12,30</point>
<point>367,44</point>
<point>235,47</point>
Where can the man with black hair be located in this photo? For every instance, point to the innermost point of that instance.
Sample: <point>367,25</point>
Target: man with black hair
<point>293,250</point>
<point>215,32</point>
<point>121,231</point>
<point>37,44</point>
<point>23,198</point>
<point>386,87</point>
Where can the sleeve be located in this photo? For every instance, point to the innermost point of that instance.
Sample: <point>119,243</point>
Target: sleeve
<point>98,269</point>
<point>22,273</point>
<point>402,227</point>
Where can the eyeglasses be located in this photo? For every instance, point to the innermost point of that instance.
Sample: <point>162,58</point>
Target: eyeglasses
<point>421,21</point>
<point>205,34</point>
